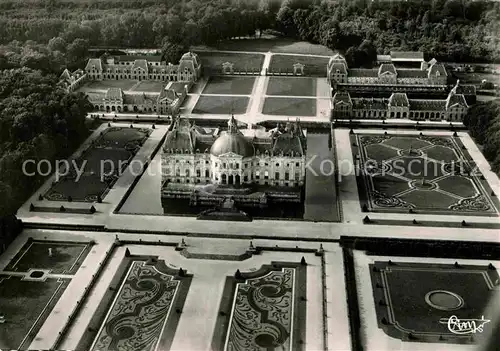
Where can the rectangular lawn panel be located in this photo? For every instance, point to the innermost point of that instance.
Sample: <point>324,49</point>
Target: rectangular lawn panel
<point>229,85</point>
<point>414,300</point>
<point>66,257</point>
<point>289,106</point>
<point>221,105</point>
<point>313,66</point>
<point>242,62</point>
<point>425,174</point>
<point>291,86</point>
<point>25,306</point>
<point>103,163</point>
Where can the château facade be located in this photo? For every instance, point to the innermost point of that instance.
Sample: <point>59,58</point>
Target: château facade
<point>194,157</point>
<point>429,73</point>
<point>398,105</point>
<point>144,68</point>
<point>395,91</point>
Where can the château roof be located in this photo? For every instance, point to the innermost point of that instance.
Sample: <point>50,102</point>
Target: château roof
<point>342,97</point>
<point>114,94</point>
<point>427,105</point>
<point>363,72</point>
<point>94,62</point>
<point>437,69</point>
<point>386,67</point>
<point>398,99</point>
<point>232,141</point>
<point>407,55</point>
<point>412,73</point>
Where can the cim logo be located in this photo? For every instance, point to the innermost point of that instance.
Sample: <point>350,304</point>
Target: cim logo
<point>464,326</point>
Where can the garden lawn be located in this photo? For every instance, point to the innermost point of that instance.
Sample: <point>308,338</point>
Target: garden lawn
<point>289,107</point>
<point>221,105</point>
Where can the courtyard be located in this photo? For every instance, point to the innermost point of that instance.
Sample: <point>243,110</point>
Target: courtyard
<point>291,86</point>
<point>229,85</point>
<point>419,173</point>
<point>148,86</point>
<point>413,301</point>
<point>221,105</point>
<point>100,164</point>
<point>279,106</point>
<point>103,85</point>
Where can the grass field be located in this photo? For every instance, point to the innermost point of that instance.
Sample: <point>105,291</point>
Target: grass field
<point>291,86</point>
<point>221,105</point>
<point>66,257</point>
<point>424,174</point>
<point>242,62</point>
<point>25,306</point>
<point>229,85</point>
<point>313,66</point>
<point>149,87</point>
<point>417,296</point>
<point>289,107</point>
<point>274,44</point>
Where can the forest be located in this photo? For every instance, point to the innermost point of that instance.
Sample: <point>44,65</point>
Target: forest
<point>39,38</point>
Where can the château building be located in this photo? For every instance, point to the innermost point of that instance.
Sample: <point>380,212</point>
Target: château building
<point>398,105</point>
<point>71,81</point>
<point>429,73</point>
<point>392,90</point>
<point>166,101</point>
<point>144,68</point>
<point>251,162</point>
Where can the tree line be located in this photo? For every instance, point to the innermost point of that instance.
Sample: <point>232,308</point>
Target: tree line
<point>449,30</point>
<point>38,121</point>
<point>483,122</point>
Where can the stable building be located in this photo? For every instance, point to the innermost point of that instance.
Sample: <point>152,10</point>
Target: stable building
<point>144,68</point>
<point>166,101</point>
<point>398,105</point>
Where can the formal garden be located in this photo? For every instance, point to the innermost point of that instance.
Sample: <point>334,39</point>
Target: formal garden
<point>145,309</point>
<point>103,163</point>
<point>221,105</point>
<point>24,306</point>
<point>414,301</point>
<point>420,174</point>
<point>279,106</point>
<point>245,322</point>
<point>229,85</point>
<point>29,291</point>
<point>291,86</point>
<point>59,257</point>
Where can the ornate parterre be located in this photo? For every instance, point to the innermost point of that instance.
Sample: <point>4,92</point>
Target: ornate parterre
<point>420,174</point>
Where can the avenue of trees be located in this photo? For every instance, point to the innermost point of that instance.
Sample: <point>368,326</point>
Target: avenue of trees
<point>38,121</point>
<point>483,122</point>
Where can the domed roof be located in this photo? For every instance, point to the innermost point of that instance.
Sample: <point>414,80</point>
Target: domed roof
<point>232,142</point>
<point>190,56</point>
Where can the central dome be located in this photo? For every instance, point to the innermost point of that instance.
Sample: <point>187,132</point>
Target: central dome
<point>232,142</point>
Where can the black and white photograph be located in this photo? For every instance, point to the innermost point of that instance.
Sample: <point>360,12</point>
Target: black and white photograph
<point>250,175</point>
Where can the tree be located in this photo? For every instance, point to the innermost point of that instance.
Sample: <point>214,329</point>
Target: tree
<point>172,52</point>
